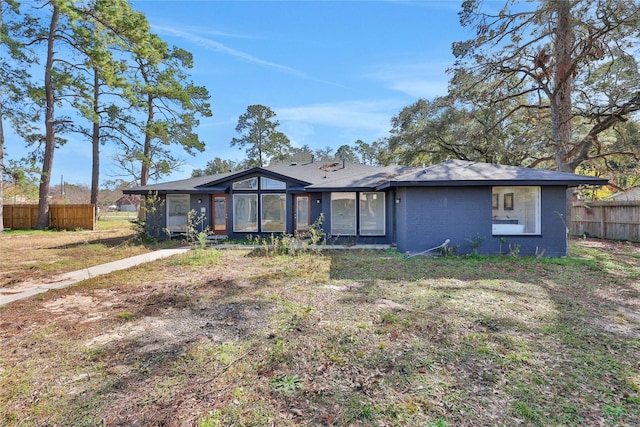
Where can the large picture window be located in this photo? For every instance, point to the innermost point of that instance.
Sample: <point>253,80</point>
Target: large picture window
<point>177,209</point>
<point>245,213</point>
<point>260,209</point>
<point>343,214</point>
<point>517,210</point>
<point>273,213</point>
<point>372,217</point>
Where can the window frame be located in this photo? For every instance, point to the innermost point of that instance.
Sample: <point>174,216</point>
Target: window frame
<point>174,199</point>
<point>283,199</point>
<point>236,197</point>
<point>518,210</point>
<point>267,183</point>
<point>344,231</point>
<point>382,206</point>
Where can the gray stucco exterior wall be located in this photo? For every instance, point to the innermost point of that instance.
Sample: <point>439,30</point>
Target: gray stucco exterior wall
<point>427,216</point>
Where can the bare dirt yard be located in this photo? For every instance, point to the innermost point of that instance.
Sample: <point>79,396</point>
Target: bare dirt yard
<point>345,338</point>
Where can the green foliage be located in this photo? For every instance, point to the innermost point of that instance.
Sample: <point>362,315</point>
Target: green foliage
<point>524,81</point>
<point>195,234</point>
<point>314,239</point>
<point>260,136</point>
<point>475,242</point>
<point>215,166</point>
<point>148,227</point>
<point>287,384</point>
<point>514,249</point>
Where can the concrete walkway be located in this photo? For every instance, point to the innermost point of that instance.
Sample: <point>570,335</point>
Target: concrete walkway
<point>30,288</point>
<point>64,280</point>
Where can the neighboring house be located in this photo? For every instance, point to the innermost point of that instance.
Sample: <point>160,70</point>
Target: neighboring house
<point>128,203</point>
<point>413,208</point>
<point>629,195</point>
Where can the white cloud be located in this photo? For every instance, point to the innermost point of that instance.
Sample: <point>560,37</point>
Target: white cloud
<point>219,47</point>
<point>370,116</point>
<point>334,124</point>
<point>423,80</point>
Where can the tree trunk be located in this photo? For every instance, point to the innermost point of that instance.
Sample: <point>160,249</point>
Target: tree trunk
<point>50,137</point>
<point>1,149</point>
<point>95,139</point>
<point>563,79</point>
<point>561,115</point>
<point>1,167</point>
<point>146,155</point>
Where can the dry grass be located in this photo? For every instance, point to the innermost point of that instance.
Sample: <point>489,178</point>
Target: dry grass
<point>33,255</point>
<point>218,338</point>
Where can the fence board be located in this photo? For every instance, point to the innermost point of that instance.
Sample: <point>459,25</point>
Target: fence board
<point>20,217</point>
<point>25,217</point>
<point>619,220</point>
<point>72,216</point>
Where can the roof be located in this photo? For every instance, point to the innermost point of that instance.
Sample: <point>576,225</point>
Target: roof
<point>464,173</point>
<point>630,194</point>
<point>341,176</point>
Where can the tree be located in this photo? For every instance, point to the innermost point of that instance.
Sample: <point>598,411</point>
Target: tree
<point>50,120</point>
<point>429,132</point>
<point>323,154</point>
<point>107,28</point>
<point>374,154</point>
<point>169,102</point>
<point>215,166</point>
<point>346,153</point>
<point>159,162</point>
<point>566,63</point>
<point>14,80</point>
<point>259,134</point>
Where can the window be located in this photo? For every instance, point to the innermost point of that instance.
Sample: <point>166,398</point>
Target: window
<point>343,214</point>
<point>272,184</point>
<point>245,213</point>
<point>302,213</point>
<point>518,210</point>
<point>273,213</point>
<point>372,218</point>
<point>246,184</point>
<point>260,209</point>
<point>177,209</point>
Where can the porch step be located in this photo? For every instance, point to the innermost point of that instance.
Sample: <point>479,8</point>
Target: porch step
<point>216,237</point>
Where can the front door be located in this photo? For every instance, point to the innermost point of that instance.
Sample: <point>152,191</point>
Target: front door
<point>219,214</point>
<point>301,212</point>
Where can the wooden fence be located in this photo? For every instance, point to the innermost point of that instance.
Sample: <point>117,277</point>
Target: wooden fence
<point>618,220</point>
<point>25,217</point>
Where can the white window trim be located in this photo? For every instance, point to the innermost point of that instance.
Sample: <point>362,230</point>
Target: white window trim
<point>512,229</point>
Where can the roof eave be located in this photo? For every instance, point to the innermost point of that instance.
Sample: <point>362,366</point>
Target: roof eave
<point>492,183</point>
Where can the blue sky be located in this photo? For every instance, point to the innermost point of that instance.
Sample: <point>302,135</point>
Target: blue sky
<point>332,71</point>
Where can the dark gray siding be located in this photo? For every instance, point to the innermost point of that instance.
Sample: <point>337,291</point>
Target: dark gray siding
<point>426,217</point>
<point>429,216</point>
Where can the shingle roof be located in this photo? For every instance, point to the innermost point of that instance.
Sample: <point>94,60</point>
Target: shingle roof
<point>338,176</point>
<point>464,173</point>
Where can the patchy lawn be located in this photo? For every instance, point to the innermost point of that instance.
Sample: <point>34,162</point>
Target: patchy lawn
<point>33,255</point>
<point>219,338</point>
